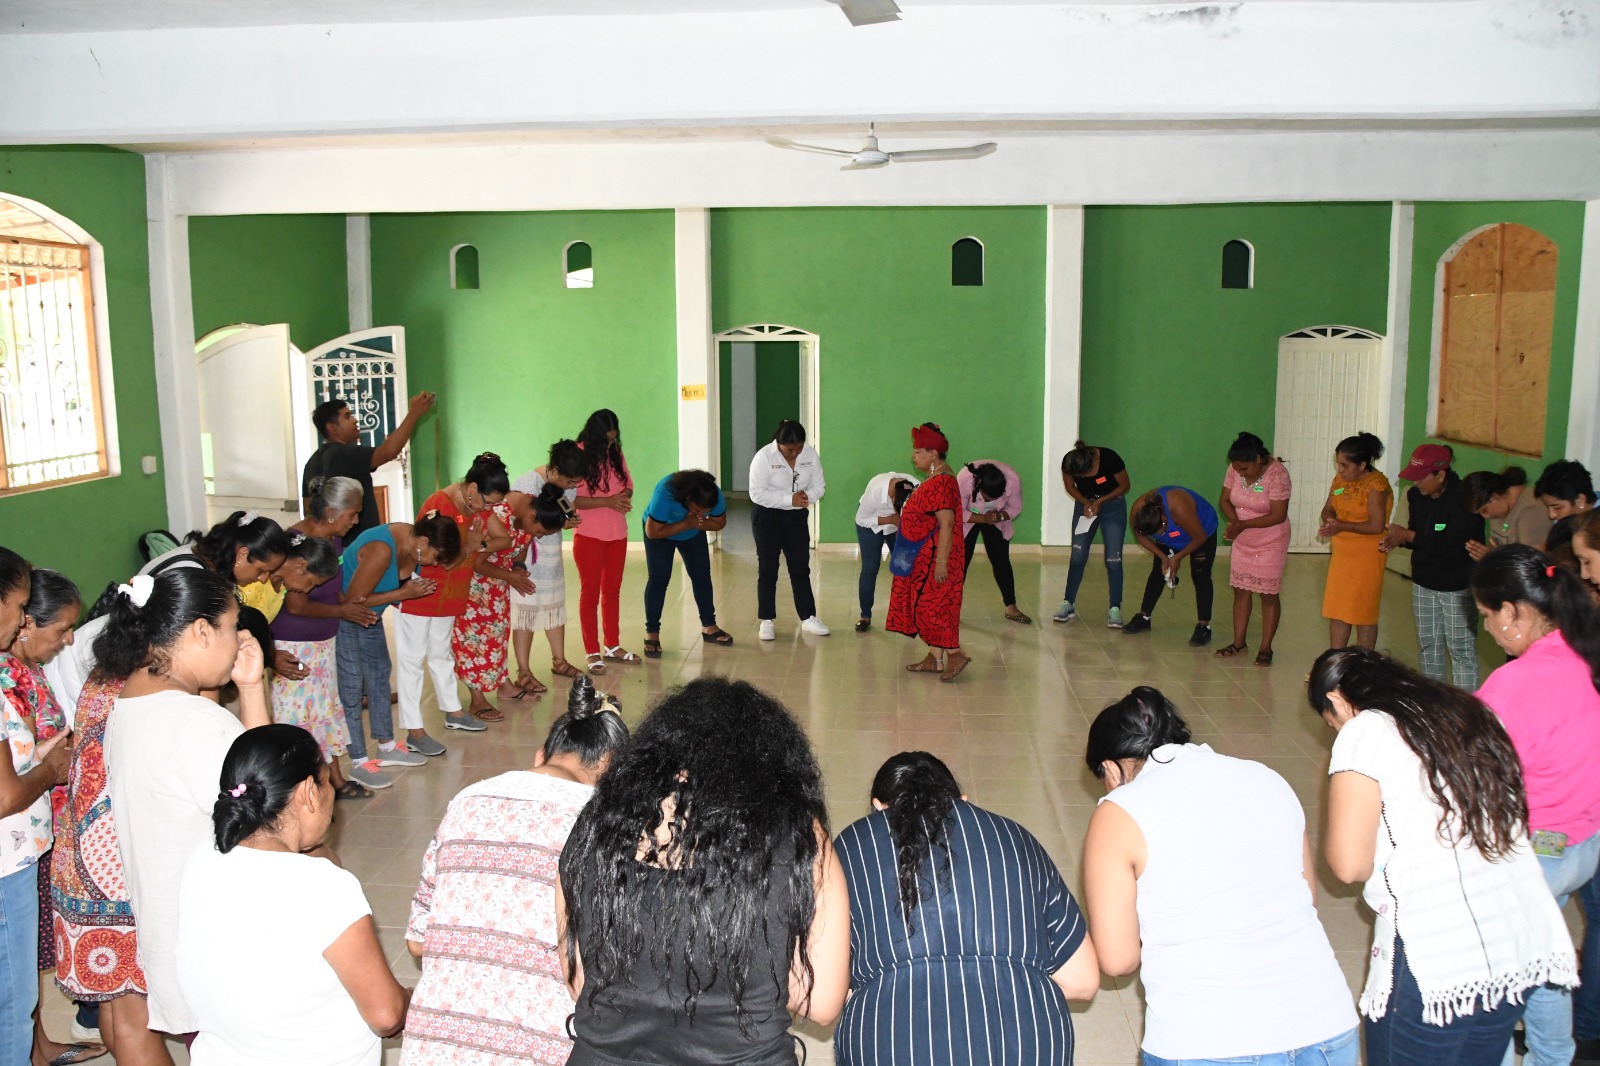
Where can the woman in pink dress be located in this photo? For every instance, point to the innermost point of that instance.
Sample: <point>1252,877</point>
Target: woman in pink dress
<point>1255,505</point>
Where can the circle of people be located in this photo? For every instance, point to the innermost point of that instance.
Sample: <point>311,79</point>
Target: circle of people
<point>677,894</point>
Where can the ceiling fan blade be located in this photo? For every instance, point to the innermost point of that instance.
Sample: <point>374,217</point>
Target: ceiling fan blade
<point>784,142</point>
<point>869,12</point>
<point>933,155</point>
<point>865,166</point>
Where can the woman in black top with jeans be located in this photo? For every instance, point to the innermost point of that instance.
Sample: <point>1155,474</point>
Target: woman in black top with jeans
<point>1097,481</point>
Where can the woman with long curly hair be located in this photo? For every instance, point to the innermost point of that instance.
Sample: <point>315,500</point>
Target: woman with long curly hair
<point>1426,806</point>
<point>701,899</point>
<point>600,543</point>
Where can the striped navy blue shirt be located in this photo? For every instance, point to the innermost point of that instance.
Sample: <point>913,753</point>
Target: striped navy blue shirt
<point>971,983</point>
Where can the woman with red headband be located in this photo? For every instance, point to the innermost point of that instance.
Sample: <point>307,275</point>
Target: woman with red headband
<point>928,561</point>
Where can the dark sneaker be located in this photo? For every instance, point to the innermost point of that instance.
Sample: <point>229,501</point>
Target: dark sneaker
<point>1137,624</point>
<point>1200,637</point>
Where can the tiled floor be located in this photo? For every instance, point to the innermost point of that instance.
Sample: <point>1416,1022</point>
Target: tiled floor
<point>1012,728</point>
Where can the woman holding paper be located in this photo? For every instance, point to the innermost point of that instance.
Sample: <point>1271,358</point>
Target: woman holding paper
<point>1255,505</point>
<point>1097,481</point>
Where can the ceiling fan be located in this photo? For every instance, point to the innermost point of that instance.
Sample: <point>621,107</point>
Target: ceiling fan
<point>869,12</point>
<point>871,157</point>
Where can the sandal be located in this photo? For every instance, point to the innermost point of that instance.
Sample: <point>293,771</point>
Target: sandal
<point>1264,658</point>
<point>78,1053</point>
<point>564,668</point>
<point>652,648</point>
<point>531,685</point>
<point>487,714</point>
<point>509,691</point>
<point>954,663</point>
<point>1019,618</point>
<point>1231,650</point>
<point>353,790</point>
<point>930,664</point>
<point>719,637</point>
<point>597,663</point>
<point>619,654</point>
<point>863,624</point>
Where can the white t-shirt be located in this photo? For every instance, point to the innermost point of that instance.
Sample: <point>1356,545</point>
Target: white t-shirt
<point>876,503</point>
<point>1235,961</point>
<point>252,928</point>
<point>164,756</point>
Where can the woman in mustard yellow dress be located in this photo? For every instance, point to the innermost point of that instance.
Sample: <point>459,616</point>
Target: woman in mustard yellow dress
<point>1355,517</point>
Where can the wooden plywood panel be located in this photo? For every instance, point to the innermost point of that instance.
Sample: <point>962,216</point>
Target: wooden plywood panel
<point>1467,369</point>
<point>1475,268</point>
<point>1528,260</point>
<point>1526,323</point>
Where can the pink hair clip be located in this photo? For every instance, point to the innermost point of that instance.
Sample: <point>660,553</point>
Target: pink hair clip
<point>237,790</point>
<point>1550,571</point>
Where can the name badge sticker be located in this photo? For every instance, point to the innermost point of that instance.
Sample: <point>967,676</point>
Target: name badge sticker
<point>1099,481</point>
<point>1338,492</point>
<point>1257,488</point>
<point>1438,527</point>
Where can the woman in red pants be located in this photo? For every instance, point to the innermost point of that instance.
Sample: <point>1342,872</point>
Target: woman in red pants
<point>600,544</point>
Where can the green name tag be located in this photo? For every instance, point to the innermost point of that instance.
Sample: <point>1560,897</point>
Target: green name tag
<point>1438,527</point>
<point>1338,492</point>
<point>1257,488</point>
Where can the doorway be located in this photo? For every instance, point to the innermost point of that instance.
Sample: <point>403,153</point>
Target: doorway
<point>1327,390</point>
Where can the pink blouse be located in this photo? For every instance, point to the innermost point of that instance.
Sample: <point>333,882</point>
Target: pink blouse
<point>1010,503</point>
<point>604,523</point>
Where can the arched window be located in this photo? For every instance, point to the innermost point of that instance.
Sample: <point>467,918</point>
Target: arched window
<point>577,265</point>
<point>1496,313</point>
<point>1238,265</point>
<point>966,262</point>
<point>56,423</point>
<point>464,267</point>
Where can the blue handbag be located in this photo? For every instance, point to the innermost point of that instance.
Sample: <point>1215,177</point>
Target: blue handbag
<point>904,554</point>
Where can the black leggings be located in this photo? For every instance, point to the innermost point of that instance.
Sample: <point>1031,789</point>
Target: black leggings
<point>1200,561</point>
<point>998,549</point>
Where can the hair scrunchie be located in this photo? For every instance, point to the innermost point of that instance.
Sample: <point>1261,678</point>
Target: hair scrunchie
<point>139,589</point>
<point>248,517</point>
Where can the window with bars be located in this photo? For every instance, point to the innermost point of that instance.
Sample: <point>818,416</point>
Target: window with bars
<point>52,427</point>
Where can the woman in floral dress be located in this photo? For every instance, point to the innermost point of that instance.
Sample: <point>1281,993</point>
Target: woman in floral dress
<point>927,602</point>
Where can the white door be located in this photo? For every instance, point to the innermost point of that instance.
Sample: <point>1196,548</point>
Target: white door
<point>1327,390</point>
<point>251,431</point>
<point>367,369</point>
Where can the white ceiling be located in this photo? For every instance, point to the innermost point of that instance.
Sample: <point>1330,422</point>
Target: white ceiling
<point>101,16</point>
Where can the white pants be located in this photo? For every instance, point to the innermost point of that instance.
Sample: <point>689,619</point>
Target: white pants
<point>418,639</point>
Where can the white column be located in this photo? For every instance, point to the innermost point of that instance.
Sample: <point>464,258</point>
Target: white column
<point>1394,359</point>
<point>698,429</point>
<point>1583,412</point>
<point>1063,358</point>
<point>358,269</point>
<point>177,380</point>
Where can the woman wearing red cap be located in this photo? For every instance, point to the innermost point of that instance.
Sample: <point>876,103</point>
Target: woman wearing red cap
<point>928,562</point>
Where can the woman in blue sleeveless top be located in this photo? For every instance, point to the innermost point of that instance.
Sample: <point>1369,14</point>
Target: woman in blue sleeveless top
<point>1174,523</point>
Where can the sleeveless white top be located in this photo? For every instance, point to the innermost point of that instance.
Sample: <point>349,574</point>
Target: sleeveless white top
<point>1235,961</point>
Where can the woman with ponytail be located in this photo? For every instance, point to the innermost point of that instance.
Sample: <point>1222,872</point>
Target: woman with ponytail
<point>966,942</point>
<point>1240,970</point>
<point>474,876</point>
<point>1426,806</point>
<point>991,500</point>
<point>1255,506</point>
<point>277,952</point>
<point>1548,699</point>
<point>168,639</point>
<point>1355,520</point>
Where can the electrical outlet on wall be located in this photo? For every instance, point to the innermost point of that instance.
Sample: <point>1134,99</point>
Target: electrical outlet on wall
<point>147,463</point>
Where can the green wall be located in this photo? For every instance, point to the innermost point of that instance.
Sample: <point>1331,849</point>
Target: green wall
<point>521,361</point>
<point>777,393</point>
<point>88,530</point>
<point>1174,366</point>
<point>1437,227</point>
<point>899,344</point>
<point>270,268</point>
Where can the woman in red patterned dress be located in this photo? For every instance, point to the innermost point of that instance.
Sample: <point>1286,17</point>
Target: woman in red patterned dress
<point>927,602</point>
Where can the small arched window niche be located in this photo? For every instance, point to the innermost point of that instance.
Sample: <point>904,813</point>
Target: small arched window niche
<point>966,262</point>
<point>464,267</point>
<point>577,265</point>
<point>1238,265</point>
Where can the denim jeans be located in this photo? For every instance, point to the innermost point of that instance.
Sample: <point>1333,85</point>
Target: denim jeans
<point>1586,998</point>
<point>1548,1020</point>
<point>19,964</point>
<point>362,654</point>
<point>1112,524</point>
<point>871,544</point>
<point>1447,620</point>
<point>696,552</point>
<point>1402,1038</point>
<point>1342,1050</point>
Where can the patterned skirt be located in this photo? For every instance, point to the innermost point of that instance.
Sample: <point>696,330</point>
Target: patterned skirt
<point>96,944</point>
<point>547,607</point>
<point>312,703</point>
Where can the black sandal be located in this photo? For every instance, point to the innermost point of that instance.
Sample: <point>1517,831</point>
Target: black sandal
<point>652,648</point>
<point>718,636</point>
<point>1231,650</point>
<point>1264,658</point>
<point>353,790</point>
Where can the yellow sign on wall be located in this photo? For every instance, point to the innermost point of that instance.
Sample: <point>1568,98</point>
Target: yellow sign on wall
<point>693,392</point>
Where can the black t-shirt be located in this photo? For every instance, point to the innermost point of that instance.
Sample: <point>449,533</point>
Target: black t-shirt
<point>1439,559</point>
<point>1105,478</point>
<point>353,461</point>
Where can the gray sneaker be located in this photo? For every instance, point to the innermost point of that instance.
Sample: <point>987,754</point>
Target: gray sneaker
<point>464,721</point>
<point>367,773</point>
<point>398,756</point>
<point>424,745</point>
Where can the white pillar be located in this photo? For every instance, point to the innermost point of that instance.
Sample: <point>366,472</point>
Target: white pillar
<point>1063,358</point>
<point>358,269</point>
<point>177,379</point>
<point>698,429</point>
<point>1583,412</point>
<point>1394,360</point>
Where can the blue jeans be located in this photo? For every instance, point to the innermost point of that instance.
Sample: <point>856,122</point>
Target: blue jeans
<point>1548,1020</point>
<point>1586,999</point>
<point>362,654</point>
<point>1402,1038</point>
<point>696,552</point>
<point>871,544</point>
<point>19,963</point>
<point>1112,525</point>
<point>1342,1050</point>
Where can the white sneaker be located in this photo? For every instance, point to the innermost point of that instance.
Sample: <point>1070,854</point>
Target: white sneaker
<point>769,629</point>
<point>814,625</point>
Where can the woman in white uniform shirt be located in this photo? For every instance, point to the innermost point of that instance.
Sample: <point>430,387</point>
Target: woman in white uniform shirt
<point>877,521</point>
<point>785,480</point>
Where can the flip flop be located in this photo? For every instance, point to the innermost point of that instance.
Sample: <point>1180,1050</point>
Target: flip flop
<point>718,637</point>
<point>488,714</point>
<point>75,1053</point>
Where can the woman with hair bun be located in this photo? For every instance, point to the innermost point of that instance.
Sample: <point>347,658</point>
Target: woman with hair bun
<point>683,508</point>
<point>929,560</point>
<point>1255,506</point>
<point>1243,967</point>
<point>1356,517</point>
<point>169,639</point>
<point>475,876</point>
<point>277,952</point>
<point>544,608</point>
<point>1513,511</point>
<point>423,625</point>
<point>966,942</point>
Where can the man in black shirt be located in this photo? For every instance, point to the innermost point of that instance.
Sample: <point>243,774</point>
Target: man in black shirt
<point>1437,533</point>
<point>341,454</point>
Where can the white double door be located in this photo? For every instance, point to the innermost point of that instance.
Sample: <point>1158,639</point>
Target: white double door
<point>257,392</point>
